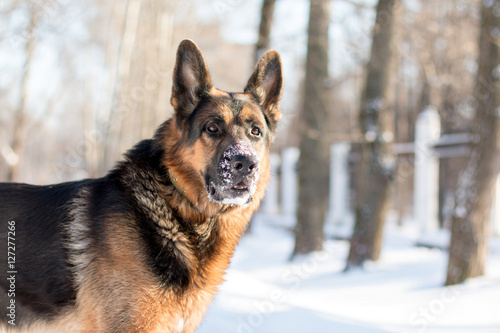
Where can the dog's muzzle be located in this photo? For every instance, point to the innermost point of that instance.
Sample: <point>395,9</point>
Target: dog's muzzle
<point>237,173</point>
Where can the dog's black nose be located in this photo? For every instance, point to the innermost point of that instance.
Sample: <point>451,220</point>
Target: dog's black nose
<point>243,164</point>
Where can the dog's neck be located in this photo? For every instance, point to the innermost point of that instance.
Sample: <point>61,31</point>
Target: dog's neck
<point>216,235</point>
<point>213,230</point>
<point>181,190</point>
<point>208,251</point>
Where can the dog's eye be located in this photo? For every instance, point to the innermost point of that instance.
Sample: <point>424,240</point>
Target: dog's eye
<point>255,131</point>
<point>212,128</point>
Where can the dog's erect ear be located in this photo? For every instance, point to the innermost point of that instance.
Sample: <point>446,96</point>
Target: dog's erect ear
<point>191,79</point>
<point>266,84</point>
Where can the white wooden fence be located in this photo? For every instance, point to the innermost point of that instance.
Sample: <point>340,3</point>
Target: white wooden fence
<point>280,202</point>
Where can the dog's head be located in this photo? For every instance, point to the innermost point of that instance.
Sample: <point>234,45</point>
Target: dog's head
<point>220,150</point>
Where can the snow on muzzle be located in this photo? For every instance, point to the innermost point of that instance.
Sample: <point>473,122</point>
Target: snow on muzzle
<point>237,173</point>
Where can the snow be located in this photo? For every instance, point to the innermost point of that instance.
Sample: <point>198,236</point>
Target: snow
<point>264,292</point>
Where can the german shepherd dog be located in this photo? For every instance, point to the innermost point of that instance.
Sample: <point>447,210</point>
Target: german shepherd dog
<point>144,248</point>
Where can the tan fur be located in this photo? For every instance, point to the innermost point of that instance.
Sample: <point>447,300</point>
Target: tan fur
<point>64,323</point>
<point>218,93</point>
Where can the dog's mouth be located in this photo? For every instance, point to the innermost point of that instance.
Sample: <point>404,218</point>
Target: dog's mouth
<point>239,193</point>
<point>241,186</point>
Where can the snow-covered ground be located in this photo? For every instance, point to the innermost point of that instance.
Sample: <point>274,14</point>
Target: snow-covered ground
<point>264,292</point>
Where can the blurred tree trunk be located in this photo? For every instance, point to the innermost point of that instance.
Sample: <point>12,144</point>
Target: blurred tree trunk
<point>266,21</point>
<point>18,136</point>
<point>118,111</point>
<point>166,60</point>
<point>378,163</point>
<point>314,147</point>
<point>475,191</point>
